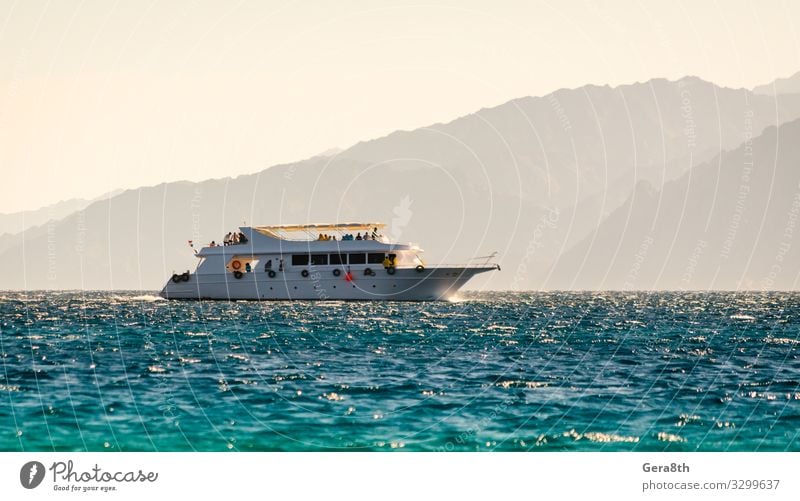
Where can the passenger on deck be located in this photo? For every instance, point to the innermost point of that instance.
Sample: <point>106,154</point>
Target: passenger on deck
<point>358,236</point>
<point>227,240</point>
<point>280,265</point>
<point>268,266</point>
<point>242,238</point>
<point>248,268</point>
<point>235,239</point>
<point>387,263</point>
<point>375,233</point>
<point>212,244</point>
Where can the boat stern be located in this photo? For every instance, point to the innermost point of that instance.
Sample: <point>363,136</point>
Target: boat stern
<point>180,286</point>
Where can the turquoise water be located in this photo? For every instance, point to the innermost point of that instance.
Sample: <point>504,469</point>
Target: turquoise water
<point>498,371</point>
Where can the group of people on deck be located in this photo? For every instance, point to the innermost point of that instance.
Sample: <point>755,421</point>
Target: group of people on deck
<point>366,236</point>
<point>232,238</point>
<point>235,238</point>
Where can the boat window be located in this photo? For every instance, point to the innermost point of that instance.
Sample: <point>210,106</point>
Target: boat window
<point>299,259</point>
<point>375,257</point>
<point>358,258</point>
<point>338,258</point>
<point>319,259</point>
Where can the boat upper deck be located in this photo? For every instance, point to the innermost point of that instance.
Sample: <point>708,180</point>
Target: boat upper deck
<point>325,231</point>
<point>305,237</point>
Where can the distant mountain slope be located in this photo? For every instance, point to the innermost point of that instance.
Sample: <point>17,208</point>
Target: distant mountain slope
<point>529,179</point>
<point>20,221</point>
<point>572,144</point>
<point>788,85</point>
<point>17,222</point>
<point>733,223</point>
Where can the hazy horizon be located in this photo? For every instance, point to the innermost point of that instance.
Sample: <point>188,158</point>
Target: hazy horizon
<point>99,97</point>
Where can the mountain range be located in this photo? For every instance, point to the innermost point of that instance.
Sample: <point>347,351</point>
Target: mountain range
<point>730,224</point>
<point>590,188</point>
<point>18,222</point>
<point>788,85</point>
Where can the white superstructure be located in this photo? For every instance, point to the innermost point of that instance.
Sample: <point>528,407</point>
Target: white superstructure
<point>320,262</point>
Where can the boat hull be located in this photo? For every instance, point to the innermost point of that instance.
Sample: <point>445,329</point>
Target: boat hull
<point>431,284</point>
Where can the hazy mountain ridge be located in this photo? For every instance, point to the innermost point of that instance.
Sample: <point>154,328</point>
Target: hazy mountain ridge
<point>647,131</point>
<point>727,224</point>
<point>530,179</point>
<point>788,85</point>
<point>17,222</point>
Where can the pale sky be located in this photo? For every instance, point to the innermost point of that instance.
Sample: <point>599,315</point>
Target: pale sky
<point>101,95</point>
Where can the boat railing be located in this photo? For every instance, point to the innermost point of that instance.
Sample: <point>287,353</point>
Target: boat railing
<point>464,265</point>
<point>382,239</point>
<point>475,262</point>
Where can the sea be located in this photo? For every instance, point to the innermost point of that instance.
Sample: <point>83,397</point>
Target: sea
<point>498,371</point>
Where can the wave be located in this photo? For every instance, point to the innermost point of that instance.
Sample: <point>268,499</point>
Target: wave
<point>669,437</point>
<point>596,436</point>
<point>148,298</point>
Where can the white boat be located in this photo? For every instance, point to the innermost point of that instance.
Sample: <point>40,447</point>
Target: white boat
<point>318,262</point>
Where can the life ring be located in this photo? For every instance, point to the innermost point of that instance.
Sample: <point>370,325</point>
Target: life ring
<point>236,264</point>
<point>271,273</point>
<point>390,270</point>
<point>337,272</point>
<point>420,268</point>
<point>368,272</point>
<point>238,274</point>
<point>176,278</point>
<point>304,273</point>
<point>185,276</point>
